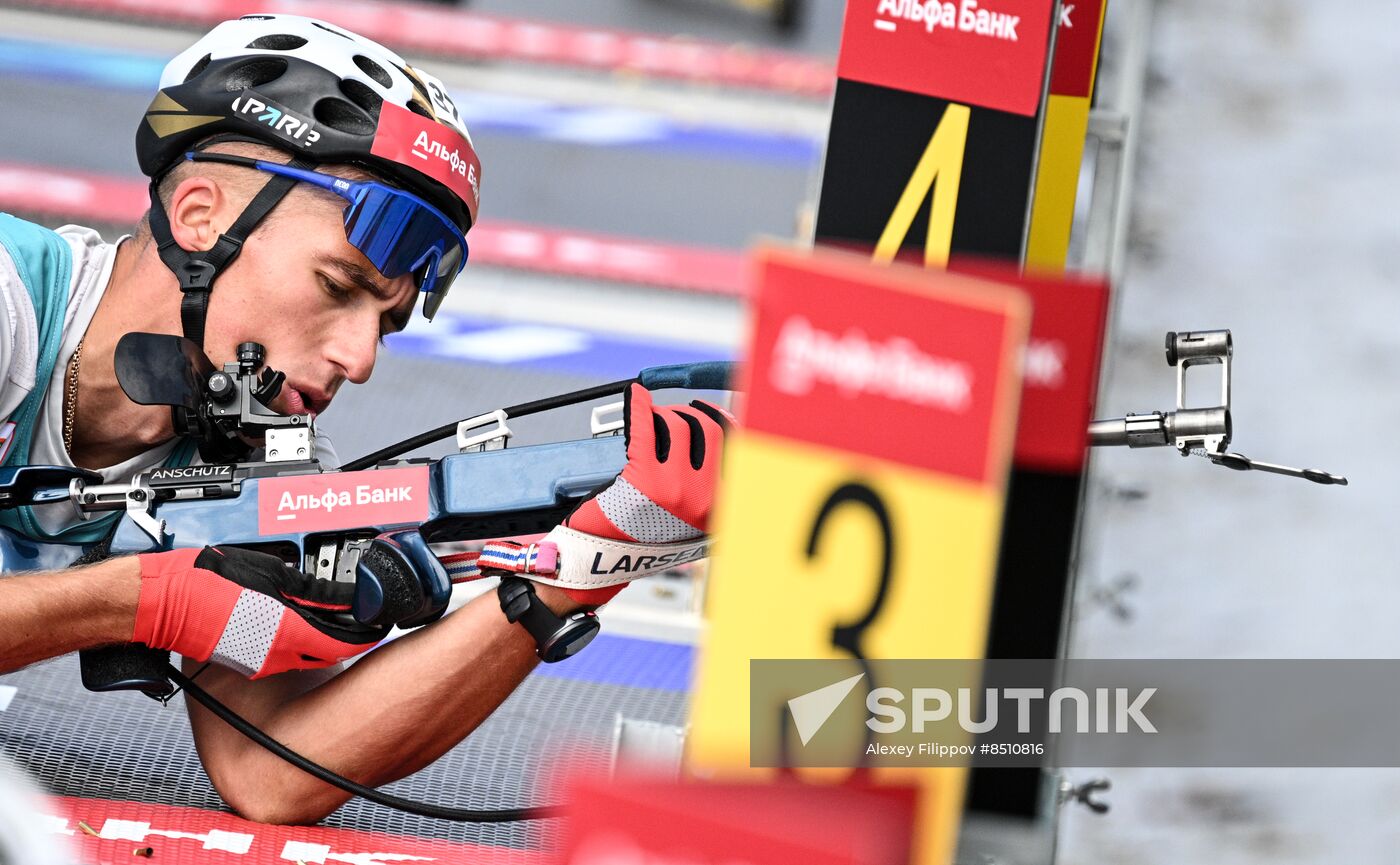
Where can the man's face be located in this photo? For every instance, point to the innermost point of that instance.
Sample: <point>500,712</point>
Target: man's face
<point>311,299</point>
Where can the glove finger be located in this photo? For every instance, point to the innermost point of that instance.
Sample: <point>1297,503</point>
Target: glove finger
<point>659,479</point>
<point>649,501</point>
<point>706,433</point>
<point>644,438</point>
<point>719,414</point>
<point>689,494</point>
<point>249,569</point>
<point>312,593</point>
<point>270,575</point>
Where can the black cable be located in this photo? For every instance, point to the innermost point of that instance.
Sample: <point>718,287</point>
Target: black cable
<point>525,408</point>
<point>166,698</point>
<point>422,809</point>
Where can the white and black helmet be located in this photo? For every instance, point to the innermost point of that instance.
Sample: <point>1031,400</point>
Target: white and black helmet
<point>322,93</point>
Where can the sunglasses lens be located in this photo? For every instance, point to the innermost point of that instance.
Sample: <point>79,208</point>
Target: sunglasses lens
<point>451,263</point>
<point>375,225</point>
<point>398,234</point>
<point>433,301</point>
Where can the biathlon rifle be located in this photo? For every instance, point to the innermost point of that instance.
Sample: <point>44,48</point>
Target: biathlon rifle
<point>319,519</point>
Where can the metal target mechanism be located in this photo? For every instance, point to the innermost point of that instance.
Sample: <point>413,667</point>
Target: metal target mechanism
<point>1203,431</point>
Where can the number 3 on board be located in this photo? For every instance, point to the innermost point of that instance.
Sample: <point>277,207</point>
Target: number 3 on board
<point>942,164</point>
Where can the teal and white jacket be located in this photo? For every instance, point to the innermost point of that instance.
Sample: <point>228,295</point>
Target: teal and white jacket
<point>50,284</point>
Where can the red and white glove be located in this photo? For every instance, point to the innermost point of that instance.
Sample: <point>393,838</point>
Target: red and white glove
<point>246,610</point>
<point>652,518</point>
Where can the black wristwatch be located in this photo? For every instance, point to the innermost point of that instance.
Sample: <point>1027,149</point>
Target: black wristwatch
<point>555,638</point>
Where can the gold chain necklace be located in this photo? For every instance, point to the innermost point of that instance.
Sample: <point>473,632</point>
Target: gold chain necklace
<point>70,404</point>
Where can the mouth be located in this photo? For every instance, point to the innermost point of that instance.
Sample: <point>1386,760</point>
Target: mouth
<point>302,401</point>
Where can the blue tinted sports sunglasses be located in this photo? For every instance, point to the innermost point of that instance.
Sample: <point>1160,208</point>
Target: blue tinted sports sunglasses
<point>396,230</point>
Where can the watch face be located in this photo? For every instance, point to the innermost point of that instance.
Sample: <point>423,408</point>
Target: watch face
<point>571,640</point>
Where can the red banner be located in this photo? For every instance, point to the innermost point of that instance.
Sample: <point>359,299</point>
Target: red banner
<point>763,824</point>
<point>1076,47</point>
<point>1060,375</point>
<point>910,371</point>
<point>193,836</point>
<point>979,52</point>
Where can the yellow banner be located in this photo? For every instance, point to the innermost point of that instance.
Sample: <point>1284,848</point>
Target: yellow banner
<point>777,594</point>
<point>853,533</point>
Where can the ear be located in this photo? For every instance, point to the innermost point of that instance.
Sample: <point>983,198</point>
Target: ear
<point>195,213</point>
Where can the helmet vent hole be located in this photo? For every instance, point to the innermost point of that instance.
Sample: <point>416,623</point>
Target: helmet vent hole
<point>374,70</point>
<point>257,18</point>
<point>277,42</point>
<point>254,73</point>
<point>331,30</point>
<point>344,117</point>
<point>361,95</point>
<point>419,108</point>
<point>199,67</point>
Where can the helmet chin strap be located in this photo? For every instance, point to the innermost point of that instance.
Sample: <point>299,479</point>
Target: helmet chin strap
<point>196,271</point>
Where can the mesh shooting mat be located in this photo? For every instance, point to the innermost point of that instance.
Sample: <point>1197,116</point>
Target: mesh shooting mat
<point>125,766</point>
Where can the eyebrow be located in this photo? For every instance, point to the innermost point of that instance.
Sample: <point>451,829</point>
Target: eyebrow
<point>365,279</point>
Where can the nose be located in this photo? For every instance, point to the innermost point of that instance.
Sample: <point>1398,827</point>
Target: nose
<point>353,349</point>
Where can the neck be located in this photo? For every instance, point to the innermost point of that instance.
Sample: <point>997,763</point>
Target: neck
<point>143,295</point>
